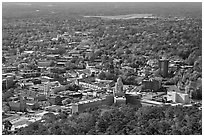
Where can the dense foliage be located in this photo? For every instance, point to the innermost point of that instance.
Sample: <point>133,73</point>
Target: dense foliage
<point>133,41</point>
<point>123,120</point>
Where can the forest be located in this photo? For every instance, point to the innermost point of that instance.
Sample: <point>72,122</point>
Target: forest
<point>121,120</point>
<point>175,33</point>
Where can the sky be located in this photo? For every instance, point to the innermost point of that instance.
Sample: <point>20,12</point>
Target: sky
<point>103,8</point>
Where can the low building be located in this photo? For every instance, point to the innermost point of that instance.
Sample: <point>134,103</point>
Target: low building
<point>57,89</point>
<point>146,102</point>
<point>53,108</point>
<point>46,79</point>
<point>17,106</point>
<point>32,105</point>
<point>133,99</point>
<point>41,97</point>
<point>151,85</point>
<point>44,63</point>
<point>55,100</point>
<point>120,100</point>
<point>87,85</point>
<point>83,105</point>
<point>178,97</point>
<point>9,69</point>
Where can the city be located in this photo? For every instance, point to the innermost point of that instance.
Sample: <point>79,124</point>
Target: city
<point>78,69</point>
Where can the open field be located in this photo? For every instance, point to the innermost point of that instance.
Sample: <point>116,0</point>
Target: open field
<point>129,16</point>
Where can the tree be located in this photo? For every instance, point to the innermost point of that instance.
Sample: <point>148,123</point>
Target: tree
<point>7,125</point>
<point>9,93</point>
<point>49,117</point>
<point>66,101</point>
<point>197,94</point>
<point>3,59</point>
<point>102,75</point>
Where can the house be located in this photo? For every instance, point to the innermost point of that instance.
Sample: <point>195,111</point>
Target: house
<point>67,57</point>
<point>9,69</point>
<point>57,89</point>
<point>53,56</point>
<point>41,97</point>
<point>44,63</point>
<point>55,100</point>
<point>75,53</point>
<point>32,105</point>
<point>46,79</point>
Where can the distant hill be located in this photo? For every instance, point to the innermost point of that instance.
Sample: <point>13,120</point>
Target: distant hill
<point>13,9</point>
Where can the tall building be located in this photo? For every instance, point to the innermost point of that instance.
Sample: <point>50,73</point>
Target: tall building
<point>47,88</point>
<point>163,67</point>
<point>119,94</point>
<point>119,85</point>
<point>7,82</point>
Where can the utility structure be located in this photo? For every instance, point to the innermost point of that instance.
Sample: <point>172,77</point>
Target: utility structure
<point>163,67</point>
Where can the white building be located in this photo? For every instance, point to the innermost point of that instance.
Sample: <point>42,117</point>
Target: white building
<point>178,97</point>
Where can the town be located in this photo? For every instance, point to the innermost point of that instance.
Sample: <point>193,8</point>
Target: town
<point>71,65</point>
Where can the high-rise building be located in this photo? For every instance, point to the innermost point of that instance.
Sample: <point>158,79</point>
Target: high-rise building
<point>47,88</point>
<point>119,86</point>
<point>163,67</point>
<point>119,94</point>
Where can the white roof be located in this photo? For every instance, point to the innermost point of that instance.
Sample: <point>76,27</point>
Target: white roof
<point>28,52</point>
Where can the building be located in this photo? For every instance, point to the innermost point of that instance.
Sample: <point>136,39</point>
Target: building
<point>83,105</point>
<point>44,63</point>
<point>133,99</point>
<point>163,67</point>
<point>120,100</point>
<point>151,85</point>
<point>57,89</point>
<point>9,69</point>
<point>87,85</point>
<point>146,102</point>
<point>18,105</point>
<point>46,79</point>
<point>55,100</point>
<point>156,85</point>
<point>119,94</point>
<point>146,85</point>
<point>41,97</point>
<point>7,82</point>
<point>109,100</point>
<point>178,97</point>
<point>32,105</point>
<point>53,108</point>
<point>119,88</point>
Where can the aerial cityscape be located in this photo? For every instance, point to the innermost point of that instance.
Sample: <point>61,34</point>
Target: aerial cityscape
<point>101,68</point>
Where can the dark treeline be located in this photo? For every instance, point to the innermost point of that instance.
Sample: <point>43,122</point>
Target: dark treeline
<point>123,120</point>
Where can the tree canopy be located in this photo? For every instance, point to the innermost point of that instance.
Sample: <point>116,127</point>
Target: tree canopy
<point>123,120</point>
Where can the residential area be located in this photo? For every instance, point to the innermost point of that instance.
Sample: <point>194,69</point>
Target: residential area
<point>53,66</point>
